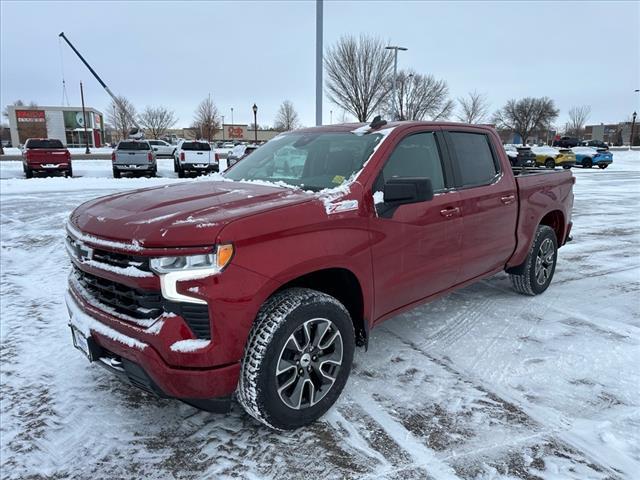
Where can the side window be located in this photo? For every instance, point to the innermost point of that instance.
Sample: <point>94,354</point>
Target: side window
<point>416,156</point>
<point>476,163</point>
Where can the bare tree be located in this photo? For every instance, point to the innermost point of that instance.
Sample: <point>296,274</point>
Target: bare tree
<point>287,117</point>
<point>120,116</point>
<point>157,120</point>
<point>207,119</point>
<point>419,97</point>
<point>577,118</point>
<point>358,75</point>
<point>473,108</point>
<point>526,115</point>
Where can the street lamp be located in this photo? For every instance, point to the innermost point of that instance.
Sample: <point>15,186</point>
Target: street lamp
<point>633,124</point>
<point>231,116</point>
<point>395,73</point>
<point>223,128</point>
<point>84,122</point>
<point>255,124</point>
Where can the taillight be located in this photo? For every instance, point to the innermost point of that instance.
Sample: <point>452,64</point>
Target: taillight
<point>68,154</point>
<point>150,156</point>
<point>182,156</point>
<point>113,156</point>
<point>217,158</point>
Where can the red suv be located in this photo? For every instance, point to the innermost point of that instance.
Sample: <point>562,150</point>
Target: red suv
<point>45,155</point>
<point>263,281</point>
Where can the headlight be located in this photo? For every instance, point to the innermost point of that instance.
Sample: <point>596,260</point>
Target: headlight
<point>216,261</point>
<point>190,267</point>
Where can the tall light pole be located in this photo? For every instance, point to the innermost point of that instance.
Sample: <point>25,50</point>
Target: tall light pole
<point>255,123</point>
<point>318,62</point>
<point>633,124</point>
<point>223,128</point>
<point>231,116</point>
<point>395,74</point>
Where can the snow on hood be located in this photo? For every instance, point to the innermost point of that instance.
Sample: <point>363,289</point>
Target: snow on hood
<point>165,217</point>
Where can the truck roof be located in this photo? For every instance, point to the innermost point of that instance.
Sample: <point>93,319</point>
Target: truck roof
<point>348,127</point>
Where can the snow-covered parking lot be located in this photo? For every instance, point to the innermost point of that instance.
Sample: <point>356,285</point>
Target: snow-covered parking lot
<point>483,383</point>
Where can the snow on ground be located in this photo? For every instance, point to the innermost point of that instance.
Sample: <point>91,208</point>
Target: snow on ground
<point>482,384</point>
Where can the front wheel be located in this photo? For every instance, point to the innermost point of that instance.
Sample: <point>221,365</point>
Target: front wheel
<point>602,166</point>
<point>550,163</point>
<point>534,276</point>
<point>297,359</point>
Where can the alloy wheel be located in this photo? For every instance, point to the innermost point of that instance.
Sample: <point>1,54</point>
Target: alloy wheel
<point>544,261</point>
<point>309,363</point>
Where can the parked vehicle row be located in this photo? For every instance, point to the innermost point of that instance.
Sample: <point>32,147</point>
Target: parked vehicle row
<point>263,285</point>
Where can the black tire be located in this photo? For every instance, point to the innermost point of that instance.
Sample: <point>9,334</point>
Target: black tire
<point>28,172</point>
<point>116,173</point>
<point>566,167</point>
<point>530,279</point>
<point>154,171</point>
<point>587,163</point>
<point>175,165</point>
<point>602,166</point>
<point>276,339</point>
<point>550,163</point>
<point>69,173</point>
<point>181,173</point>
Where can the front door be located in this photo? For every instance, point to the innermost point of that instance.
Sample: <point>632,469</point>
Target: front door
<point>416,248</point>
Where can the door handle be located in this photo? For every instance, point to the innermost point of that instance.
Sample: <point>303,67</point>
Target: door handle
<point>450,211</point>
<point>508,199</point>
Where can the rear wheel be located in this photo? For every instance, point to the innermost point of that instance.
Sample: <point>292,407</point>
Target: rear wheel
<point>602,166</point>
<point>587,163</point>
<point>116,173</point>
<point>175,165</point>
<point>534,276</point>
<point>28,172</point>
<point>550,163</point>
<point>181,173</point>
<point>69,173</point>
<point>297,359</point>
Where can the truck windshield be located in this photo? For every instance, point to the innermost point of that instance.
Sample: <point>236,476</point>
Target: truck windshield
<point>133,146</point>
<point>44,144</point>
<point>313,161</point>
<point>196,146</point>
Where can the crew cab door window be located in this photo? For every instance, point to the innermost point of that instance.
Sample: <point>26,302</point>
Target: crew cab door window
<point>474,158</point>
<point>416,156</point>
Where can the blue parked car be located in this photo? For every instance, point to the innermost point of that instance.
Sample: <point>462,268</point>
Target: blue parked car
<point>587,157</point>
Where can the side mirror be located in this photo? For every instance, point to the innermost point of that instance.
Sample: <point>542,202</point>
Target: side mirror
<point>155,149</point>
<point>401,191</point>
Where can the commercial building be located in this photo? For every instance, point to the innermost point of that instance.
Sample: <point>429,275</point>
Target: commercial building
<point>613,133</point>
<point>63,123</point>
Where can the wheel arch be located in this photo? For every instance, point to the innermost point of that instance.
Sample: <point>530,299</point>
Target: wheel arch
<point>342,284</point>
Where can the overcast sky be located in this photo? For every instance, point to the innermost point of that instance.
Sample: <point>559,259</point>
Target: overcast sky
<point>175,54</point>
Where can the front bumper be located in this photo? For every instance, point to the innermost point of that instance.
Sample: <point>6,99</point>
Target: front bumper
<point>143,366</point>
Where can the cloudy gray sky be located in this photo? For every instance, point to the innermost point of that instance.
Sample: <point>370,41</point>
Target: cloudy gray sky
<point>176,53</point>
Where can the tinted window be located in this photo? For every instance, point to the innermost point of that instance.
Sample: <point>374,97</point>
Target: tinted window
<point>196,146</point>
<point>475,160</point>
<point>44,144</point>
<point>155,142</point>
<point>416,156</point>
<point>133,146</point>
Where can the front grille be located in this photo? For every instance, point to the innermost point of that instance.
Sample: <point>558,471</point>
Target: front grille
<point>140,304</point>
<point>143,304</point>
<point>122,260</point>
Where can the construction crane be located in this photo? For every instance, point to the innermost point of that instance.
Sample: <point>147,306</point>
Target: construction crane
<point>135,132</point>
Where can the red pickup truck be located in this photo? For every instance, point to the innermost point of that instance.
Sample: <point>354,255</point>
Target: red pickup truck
<point>45,155</point>
<point>261,282</point>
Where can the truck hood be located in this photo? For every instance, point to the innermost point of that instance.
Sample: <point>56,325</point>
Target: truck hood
<point>181,215</point>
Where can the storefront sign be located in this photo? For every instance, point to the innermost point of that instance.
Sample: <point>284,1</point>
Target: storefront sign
<point>235,132</point>
<point>76,120</point>
<point>30,116</point>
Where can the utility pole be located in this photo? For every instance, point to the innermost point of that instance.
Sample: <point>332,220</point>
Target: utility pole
<point>318,62</point>
<point>633,124</point>
<point>84,120</point>
<point>223,128</point>
<point>395,75</point>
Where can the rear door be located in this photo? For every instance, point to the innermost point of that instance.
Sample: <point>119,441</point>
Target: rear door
<point>416,248</point>
<point>489,202</point>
